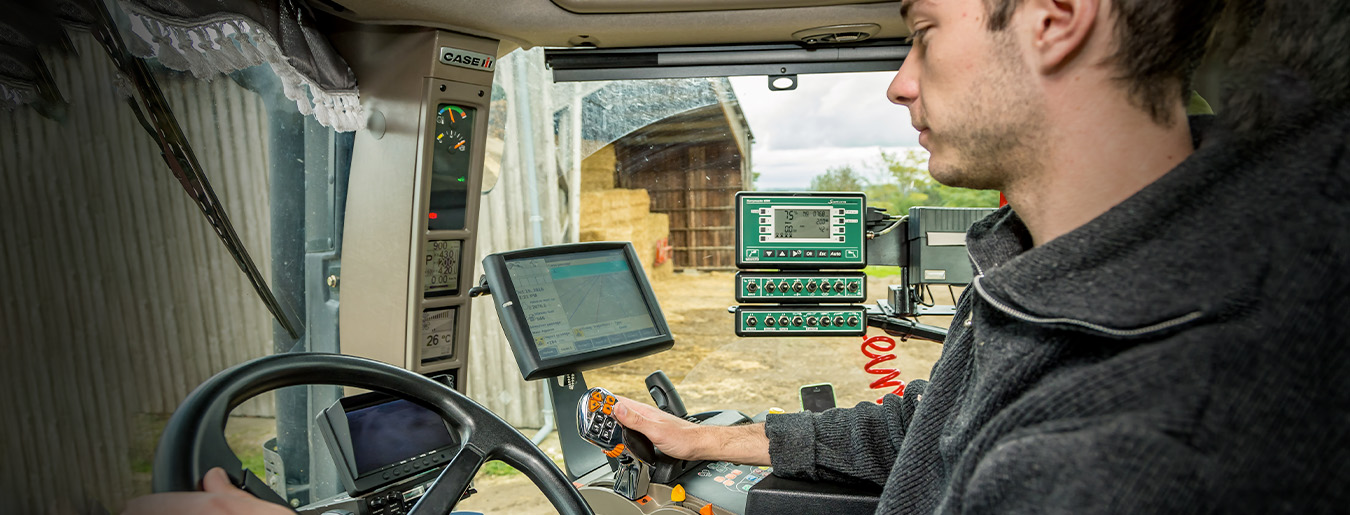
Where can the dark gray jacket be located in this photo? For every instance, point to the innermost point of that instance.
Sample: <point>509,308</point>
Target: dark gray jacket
<point>1184,352</point>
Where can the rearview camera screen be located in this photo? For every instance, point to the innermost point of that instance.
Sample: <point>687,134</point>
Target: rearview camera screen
<point>385,434</point>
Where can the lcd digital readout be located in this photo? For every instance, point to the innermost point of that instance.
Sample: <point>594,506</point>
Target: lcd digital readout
<point>801,223</point>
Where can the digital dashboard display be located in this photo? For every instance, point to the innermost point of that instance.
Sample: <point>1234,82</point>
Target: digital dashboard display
<point>440,272</point>
<point>385,434</point>
<point>438,335</point>
<point>801,223</point>
<point>582,302</point>
<point>451,159</point>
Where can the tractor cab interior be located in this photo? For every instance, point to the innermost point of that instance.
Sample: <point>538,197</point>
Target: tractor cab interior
<point>425,206</point>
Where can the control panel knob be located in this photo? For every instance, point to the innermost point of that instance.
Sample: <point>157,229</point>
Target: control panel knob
<point>839,287</point>
<point>769,321</point>
<point>810,287</point>
<point>852,321</point>
<point>770,287</point>
<point>783,321</point>
<point>797,321</point>
<point>839,321</point>
<point>853,287</point>
<point>810,321</point>
<point>751,287</point>
<point>797,287</point>
<point>825,321</point>
<point>751,320</point>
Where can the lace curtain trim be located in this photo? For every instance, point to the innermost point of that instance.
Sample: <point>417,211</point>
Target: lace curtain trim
<point>226,45</point>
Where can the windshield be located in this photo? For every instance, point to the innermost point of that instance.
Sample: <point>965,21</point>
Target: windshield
<point>834,132</point>
<point>659,163</point>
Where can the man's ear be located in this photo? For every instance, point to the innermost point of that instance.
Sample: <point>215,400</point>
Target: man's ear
<point>1060,30</point>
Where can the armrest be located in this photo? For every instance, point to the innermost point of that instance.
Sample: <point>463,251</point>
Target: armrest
<point>774,494</point>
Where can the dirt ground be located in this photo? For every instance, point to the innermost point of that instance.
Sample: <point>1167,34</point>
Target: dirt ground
<point>714,369</point>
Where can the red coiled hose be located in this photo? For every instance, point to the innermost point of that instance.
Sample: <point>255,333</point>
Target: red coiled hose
<point>888,379</point>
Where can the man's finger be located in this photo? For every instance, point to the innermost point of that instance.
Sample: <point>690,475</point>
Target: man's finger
<point>216,481</point>
<point>629,416</point>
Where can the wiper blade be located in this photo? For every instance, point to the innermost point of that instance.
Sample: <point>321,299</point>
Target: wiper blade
<point>178,154</point>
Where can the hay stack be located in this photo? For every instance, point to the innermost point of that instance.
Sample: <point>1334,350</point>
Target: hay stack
<point>623,215</point>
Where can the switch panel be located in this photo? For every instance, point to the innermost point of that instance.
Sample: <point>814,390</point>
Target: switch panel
<point>830,320</point>
<point>801,287</point>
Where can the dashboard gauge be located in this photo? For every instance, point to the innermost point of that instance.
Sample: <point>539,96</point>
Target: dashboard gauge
<point>452,140</point>
<point>451,160</point>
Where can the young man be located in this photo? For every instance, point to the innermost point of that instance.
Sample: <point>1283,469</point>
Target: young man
<point>1155,321</point>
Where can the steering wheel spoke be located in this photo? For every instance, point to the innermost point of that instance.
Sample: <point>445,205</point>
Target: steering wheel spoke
<point>452,482</point>
<point>259,489</point>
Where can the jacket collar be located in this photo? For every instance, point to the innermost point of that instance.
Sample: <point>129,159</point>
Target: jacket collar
<point>1177,252</point>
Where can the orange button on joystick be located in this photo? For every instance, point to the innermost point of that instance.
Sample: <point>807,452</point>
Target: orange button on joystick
<point>706,509</point>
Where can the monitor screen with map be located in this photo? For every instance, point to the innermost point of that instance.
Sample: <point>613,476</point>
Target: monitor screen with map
<point>568,308</point>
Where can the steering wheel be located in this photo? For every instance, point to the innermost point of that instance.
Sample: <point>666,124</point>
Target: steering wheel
<point>194,440</point>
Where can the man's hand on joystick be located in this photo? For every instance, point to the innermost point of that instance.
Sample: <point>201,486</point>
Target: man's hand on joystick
<point>597,424</point>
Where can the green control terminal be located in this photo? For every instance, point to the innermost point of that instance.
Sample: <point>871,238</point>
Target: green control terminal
<point>800,230</point>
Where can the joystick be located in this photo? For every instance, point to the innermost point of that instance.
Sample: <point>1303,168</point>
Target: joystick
<point>596,423</point>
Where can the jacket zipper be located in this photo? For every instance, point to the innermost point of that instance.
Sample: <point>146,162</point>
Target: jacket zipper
<point>1026,317</point>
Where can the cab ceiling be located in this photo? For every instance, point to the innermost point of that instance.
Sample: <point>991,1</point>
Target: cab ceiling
<point>531,23</point>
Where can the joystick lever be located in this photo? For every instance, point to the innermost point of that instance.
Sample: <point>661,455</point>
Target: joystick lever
<point>664,395</point>
<point>596,423</point>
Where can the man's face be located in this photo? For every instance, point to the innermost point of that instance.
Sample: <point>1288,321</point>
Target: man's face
<point>970,95</point>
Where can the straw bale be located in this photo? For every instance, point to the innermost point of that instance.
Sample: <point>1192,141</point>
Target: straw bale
<point>623,215</point>
<point>597,170</point>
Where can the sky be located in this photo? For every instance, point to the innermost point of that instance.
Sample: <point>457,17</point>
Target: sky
<point>829,120</point>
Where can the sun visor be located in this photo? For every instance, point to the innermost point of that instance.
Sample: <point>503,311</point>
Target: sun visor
<point>587,64</point>
<point>675,6</point>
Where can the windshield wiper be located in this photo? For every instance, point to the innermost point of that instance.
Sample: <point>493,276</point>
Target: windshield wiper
<point>158,119</point>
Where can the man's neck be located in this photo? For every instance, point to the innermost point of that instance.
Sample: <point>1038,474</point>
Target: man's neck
<point>1095,158</point>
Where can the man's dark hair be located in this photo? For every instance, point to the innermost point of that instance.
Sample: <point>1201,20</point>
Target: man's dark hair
<point>1159,45</point>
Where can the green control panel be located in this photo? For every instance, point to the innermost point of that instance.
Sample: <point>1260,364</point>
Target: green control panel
<point>801,287</point>
<point>800,231</point>
<point>801,321</point>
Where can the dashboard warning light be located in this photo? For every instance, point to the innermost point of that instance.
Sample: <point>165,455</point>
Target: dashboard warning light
<point>432,215</point>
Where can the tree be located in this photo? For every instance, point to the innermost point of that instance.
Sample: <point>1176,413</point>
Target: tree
<point>910,185</point>
<point>838,178</point>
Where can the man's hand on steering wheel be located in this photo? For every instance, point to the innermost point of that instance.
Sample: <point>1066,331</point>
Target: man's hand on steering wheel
<point>220,497</point>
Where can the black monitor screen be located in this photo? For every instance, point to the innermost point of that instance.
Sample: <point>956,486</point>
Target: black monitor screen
<point>581,302</point>
<point>394,431</point>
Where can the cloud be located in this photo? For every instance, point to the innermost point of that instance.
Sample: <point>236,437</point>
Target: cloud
<point>840,110</point>
<point>793,169</point>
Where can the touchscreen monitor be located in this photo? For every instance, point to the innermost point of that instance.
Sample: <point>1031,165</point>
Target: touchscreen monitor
<point>568,308</point>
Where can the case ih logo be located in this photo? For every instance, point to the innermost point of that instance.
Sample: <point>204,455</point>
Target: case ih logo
<point>467,59</point>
